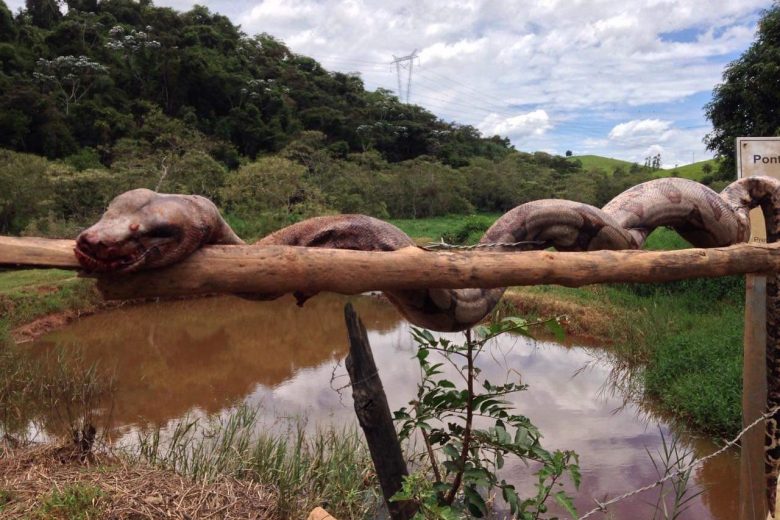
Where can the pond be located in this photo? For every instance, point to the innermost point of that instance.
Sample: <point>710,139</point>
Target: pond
<point>205,356</point>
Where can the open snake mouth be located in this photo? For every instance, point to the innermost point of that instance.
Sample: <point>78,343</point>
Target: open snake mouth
<point>128,256</point>
<point>119,264</point>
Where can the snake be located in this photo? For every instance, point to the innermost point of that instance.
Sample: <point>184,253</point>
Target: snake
<point>143,229</point>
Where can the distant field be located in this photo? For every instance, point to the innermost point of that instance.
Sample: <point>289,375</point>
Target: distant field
<point>590,162</point>
<point>425,230</point>
<point>434,229</point>
<point>694,171</point>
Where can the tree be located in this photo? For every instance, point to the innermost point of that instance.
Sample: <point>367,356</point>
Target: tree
<point>44,13</point>
<point>468,432</point>
<point>24,190</point>
<point>273,192</point>
<point>747,103</point>
<point>70,77</point>
<point>7,28</point>
<point>569,153</point>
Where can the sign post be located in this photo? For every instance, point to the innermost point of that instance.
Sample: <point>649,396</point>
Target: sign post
<point>755,156</point>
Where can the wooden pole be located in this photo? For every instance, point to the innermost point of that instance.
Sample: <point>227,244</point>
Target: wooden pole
<point>374,417</point>
<point>283,269</point>
<point>752,490</point>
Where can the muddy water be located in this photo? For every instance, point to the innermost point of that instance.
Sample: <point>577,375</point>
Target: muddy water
<point>205,356</point>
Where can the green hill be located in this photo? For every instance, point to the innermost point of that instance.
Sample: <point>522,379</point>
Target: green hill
<point>590,162</point>
<point>694,171</point>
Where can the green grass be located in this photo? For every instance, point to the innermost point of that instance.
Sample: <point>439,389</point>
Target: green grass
<point>5,498</point>
<point>693,171</point>
<point>73,502</point>
<point>329,466</point>
<point>594,162</point>
<point>31,293</point>
<point>452,228</point>
<point>696,371</point>
<point>25,278</point>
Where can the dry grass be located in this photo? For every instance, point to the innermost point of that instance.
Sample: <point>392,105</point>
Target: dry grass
<point>46,482</point>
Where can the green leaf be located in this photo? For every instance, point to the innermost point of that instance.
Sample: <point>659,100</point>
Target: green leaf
<point>510,497</point>
<point>521,437</point>
<point>450,451</point>
<point>565,501</point>
<point>515,321</point>
<point>475,502</point>
<point>576,476</point>
<point>555,327</point>
<point>477,477</point>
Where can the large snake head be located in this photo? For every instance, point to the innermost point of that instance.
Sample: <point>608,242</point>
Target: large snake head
<point>142,229</point>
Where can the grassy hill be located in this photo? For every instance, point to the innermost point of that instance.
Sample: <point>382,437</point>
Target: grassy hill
<point>590,162</point>
<point>693,171</point>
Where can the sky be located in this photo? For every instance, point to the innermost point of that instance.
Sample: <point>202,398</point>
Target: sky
<point>625,79</point>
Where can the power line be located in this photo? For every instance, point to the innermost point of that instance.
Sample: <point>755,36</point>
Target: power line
<point>468,87</point>
<point>488,104</point>
<point>398,61</point>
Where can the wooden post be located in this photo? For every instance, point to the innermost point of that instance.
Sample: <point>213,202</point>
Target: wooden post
<point>374,417</point>
<point>752,490</point>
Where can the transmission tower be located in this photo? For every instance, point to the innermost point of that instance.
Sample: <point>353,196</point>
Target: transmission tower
<point>407,63</point>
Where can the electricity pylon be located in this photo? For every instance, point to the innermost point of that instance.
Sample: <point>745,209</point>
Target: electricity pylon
<point>398,66</point>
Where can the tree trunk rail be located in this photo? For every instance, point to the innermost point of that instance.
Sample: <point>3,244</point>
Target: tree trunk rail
<point>283,269</point>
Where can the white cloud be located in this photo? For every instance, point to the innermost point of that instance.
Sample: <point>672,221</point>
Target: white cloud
<point>517,127</point>
<point>641,130</point>
<point>441,51</point>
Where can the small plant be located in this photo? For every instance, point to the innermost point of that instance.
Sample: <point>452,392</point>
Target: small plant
<point>5,498</point>
<point>16,390</point>
<point>74,502</point>
<point>464,457</point>
<point>306,470</point>
<point>469,230</point>
<point>676,497</point>
<point>78,396</point>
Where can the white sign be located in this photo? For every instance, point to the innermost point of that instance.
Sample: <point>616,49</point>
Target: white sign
<point>758,156</point>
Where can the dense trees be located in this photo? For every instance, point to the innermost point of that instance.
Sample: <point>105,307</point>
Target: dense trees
<point>307,178</point>
<point>88,77</point>
<point>747,103</point>
<point>120,94</point>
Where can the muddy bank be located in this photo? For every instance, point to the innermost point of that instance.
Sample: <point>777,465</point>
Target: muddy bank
<point>591,322</point>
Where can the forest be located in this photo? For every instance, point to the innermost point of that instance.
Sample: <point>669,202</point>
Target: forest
<point>100,97</point>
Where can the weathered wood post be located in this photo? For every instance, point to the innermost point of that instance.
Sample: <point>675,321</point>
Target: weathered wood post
<point>752,490</point>
<point>762,312</point>
<point>373,414</point>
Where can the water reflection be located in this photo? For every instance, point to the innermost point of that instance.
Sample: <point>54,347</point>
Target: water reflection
<point>205,356</point>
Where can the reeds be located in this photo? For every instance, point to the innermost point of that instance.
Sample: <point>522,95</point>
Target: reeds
<point>329,467</point>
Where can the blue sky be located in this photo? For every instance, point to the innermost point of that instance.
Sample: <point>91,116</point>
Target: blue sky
<point>619,78</point>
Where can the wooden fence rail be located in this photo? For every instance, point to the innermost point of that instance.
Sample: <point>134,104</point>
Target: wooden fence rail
<point>282,269</point>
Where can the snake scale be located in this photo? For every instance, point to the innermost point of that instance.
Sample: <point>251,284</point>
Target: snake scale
<point>142,229</point>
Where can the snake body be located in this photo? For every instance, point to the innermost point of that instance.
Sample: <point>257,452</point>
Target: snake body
<point>142,229</point>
